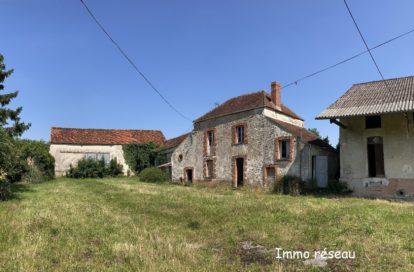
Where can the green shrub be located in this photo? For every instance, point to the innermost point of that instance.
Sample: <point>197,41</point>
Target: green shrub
<point>114,169</point>
<point>90,168</point>
<point>9,159</point>
<point>140,156</point>
<point>288,185</point>
<point>35,156</point>
<point>337,187</point>
<point>5,191</point>
<point>152,174</point>
<point>33,175</point>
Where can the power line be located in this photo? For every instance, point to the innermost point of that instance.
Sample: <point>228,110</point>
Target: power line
<point>363,39</point>
<point>348,59</point>
<point>132,63</point>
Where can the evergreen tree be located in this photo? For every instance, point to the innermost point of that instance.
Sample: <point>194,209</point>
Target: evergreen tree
<point>9,119</point>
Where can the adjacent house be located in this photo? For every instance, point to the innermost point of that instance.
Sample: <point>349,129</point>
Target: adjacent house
<point>376,137</point>
<point>251,139</point>
<point>167,150</point>
<point>69,145</point>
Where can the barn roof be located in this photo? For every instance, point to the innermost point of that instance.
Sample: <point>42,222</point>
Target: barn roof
<point>372,98</point>
<point>80,136</point>
<point>173,142</point>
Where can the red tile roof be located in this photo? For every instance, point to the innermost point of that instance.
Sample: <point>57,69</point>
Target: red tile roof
<point>80,136</point>
<point>175,141</point>
<point>306,135</point>
<point>246,102</point>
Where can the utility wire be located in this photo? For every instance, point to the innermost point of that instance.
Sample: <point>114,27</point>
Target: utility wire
<point>366,45</point>
<point>132,63</point>
<point>348,59</point>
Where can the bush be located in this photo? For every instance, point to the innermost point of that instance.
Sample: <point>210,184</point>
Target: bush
<point>5,191</point>
<point>140,156</point>
<point>337,187</point>
<point>288,185</point>
<point>35,159</point>
<point>33,175</point>
<point>90,168</point>
<point>9,162</point>
<point>114,169</point>
<point>152,174</point>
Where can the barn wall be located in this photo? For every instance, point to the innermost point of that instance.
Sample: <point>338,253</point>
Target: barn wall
<point>65,155</point>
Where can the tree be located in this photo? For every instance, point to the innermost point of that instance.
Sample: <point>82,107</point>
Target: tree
<point>9,119</point>
<point>317,133</point>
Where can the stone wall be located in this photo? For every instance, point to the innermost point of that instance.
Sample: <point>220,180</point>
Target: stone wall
<point>398,147</point>
<point>259,151</point>
<point>65,155</point>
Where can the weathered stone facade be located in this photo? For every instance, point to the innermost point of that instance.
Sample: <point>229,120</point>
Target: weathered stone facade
<point>397,132</point>
<point>259,150</point>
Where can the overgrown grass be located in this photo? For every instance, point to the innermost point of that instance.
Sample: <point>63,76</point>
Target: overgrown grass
<point>124,225</point>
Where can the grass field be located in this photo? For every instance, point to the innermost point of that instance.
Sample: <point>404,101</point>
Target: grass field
<point>125,225</point>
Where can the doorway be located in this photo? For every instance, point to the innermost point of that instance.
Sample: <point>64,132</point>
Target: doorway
<point>189,175</point>
<point>239,171</point>
<point>320,170</point>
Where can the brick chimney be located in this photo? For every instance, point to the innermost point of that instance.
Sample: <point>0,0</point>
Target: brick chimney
<point>275,95</point>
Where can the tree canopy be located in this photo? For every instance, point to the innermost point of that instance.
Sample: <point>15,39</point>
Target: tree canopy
<point>9,119</point>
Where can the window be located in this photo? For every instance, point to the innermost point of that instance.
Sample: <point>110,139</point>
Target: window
<point>180,157</point>
<point>209,142</point>
<point>209,169</point>
<point>210,137</point>
<point>373,121</point>
<point>284,149</point>
<point>240,134</point>
<point>375,157</point>
<point>270,172</point>
<point>98,156</point>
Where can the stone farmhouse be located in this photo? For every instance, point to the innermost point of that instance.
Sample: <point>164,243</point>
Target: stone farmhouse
<point>69,145</point>
<point>250,139</point>
<point>376,137</point>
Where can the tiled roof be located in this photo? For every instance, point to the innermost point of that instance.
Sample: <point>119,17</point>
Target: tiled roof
<point>246,102</point>
<point>371,98</point>
<point>175,141</point>
<point>306,135</point>
<point>104,136</point>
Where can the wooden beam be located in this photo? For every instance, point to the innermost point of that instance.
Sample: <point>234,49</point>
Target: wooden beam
<point>336,122</point>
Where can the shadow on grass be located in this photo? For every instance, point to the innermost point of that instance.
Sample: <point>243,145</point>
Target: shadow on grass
<point>16,190</point>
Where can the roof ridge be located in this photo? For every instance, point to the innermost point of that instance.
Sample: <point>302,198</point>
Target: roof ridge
<point>106,129</point>
<point>182,135</point>
<point>382,80</point>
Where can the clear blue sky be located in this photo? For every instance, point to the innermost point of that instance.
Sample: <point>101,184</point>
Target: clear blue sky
<point>196,52</point>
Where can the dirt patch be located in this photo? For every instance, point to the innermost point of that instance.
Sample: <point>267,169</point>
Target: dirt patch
<point>250,252</point>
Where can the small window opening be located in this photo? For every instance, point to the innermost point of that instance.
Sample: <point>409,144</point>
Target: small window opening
<point>373,121</point>
<point>240,134</point>
<point>210,137</point>
<point>284,147</point>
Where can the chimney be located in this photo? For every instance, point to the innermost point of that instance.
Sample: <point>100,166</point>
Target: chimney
<point>275,95</point>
